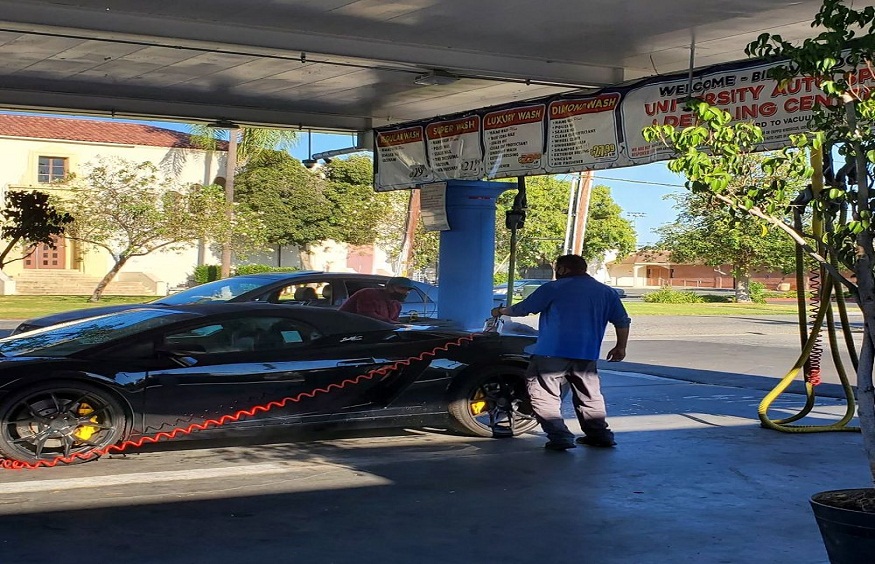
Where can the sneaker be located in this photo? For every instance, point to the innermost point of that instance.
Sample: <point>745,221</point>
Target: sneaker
<point>559,445</point>
<point>593,442</point>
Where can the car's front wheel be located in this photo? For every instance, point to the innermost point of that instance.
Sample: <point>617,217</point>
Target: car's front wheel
<point>59,419</point>
<point>492,403</point>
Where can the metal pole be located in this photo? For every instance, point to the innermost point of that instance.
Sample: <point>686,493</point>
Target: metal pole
<point>572,213</point>
<point>230,168</point>
<point>511,267</point>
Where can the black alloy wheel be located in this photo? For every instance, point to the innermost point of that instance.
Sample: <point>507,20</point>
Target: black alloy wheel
<point>492,403</point>
<point>59,419</point>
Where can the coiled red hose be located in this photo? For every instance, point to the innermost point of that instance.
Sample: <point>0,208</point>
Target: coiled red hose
<point>811,370</point>
<point>231,418</point>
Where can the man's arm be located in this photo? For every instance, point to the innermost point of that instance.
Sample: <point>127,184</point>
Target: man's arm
<point>618,353</point>
<point>535,303</point>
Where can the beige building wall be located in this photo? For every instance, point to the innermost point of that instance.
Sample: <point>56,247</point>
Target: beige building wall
<point>18,169</point>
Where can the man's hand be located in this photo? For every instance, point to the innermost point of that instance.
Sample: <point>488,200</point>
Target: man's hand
<point>616,354</point>
<point>497,311</point>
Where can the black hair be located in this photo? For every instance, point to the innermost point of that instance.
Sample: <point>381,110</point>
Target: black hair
<point>574,263</point>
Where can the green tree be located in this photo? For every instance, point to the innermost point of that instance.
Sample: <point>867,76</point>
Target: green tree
<point>252,141</point>
<point>705,231</point>
<point>715,151</point>
<point>606,229</point>
<point>301,207</point>
<point>543,236</point>
<point>29,218</point>
<point>127,209</point>
<point>358,214</point>
<point>289,199</point>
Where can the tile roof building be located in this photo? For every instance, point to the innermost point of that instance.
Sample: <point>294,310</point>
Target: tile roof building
<point>38,152</point>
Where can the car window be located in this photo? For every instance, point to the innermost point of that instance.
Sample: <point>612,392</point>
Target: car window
<point>416,297</point>
<point>312,294</point>
<point>245,334</point>
<point>353,286</point>
<point>216,291</point>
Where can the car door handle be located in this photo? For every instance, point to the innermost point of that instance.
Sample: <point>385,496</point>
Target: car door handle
<point>356,362</point>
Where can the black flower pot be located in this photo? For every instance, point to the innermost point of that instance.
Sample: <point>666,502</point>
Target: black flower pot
<point>847,529</point>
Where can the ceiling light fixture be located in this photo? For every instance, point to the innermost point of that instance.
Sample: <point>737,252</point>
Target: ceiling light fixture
<point>223,124</point>
<point>311,162</point>
<point>435,78</point>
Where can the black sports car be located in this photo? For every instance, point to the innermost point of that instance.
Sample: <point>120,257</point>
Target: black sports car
<point>74,390</point>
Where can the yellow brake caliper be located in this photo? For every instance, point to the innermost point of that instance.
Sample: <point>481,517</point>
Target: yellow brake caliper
<point>478,404</point>
<point>85,432</point>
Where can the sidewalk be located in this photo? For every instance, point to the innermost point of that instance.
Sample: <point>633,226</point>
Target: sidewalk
<point>693,479</point>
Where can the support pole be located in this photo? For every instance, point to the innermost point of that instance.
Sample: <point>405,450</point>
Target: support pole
<point>230,168</point>
<point>467,252</point>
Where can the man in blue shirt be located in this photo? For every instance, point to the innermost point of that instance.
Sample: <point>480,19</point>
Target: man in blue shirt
<point>575,311</point>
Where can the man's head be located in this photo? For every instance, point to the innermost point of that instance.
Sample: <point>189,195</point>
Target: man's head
<point>570,265</point>
<point>398,287</point>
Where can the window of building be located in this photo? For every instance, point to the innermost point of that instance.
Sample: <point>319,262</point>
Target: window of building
<point>51,169</point>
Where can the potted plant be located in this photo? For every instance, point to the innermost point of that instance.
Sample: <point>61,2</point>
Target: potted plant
<point>715,152</point>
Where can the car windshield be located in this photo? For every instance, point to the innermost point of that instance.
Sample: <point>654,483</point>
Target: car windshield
<point>75,336</point>
<point>216,291</point>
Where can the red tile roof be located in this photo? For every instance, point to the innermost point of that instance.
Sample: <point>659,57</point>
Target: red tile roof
<point>74,129</point>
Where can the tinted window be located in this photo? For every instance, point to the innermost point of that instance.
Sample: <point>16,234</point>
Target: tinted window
<point>244,334</point>
<point>216,291</point>
<point>76,336</point>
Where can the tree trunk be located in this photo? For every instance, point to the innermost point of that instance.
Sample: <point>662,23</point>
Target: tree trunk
<point>865,391</point>
<point>306,257</point>
<point>101,286</point>
<point>742,287</point>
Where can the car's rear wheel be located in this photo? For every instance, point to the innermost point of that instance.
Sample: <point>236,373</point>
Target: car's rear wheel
<point>492,403</point>
<point>59,419</point>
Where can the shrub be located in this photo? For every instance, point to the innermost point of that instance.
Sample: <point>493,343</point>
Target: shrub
<point>757,292</point>
<point>714,299</point>
<point>668,295</point>
<point>206,273</point>
<point>259,268</point>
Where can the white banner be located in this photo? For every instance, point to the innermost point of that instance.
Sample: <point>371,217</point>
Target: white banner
<point>582,133</point>
<point>514,141</point>
<point>433,205</point>
<point>400,159</point>
<point>454,149</point>
<point>561,134</point>
<point>746,93</point>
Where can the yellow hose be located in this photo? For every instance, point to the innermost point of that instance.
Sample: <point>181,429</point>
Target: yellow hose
<point>809,339</point>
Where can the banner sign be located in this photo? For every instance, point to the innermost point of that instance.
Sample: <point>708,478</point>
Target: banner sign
<point>514,141</point>
<point>582,132</point>
<point>593,131</point>
<point>433,202</point>
<point>401,154</point>
<point>454,149</point>
<point>746,93</point>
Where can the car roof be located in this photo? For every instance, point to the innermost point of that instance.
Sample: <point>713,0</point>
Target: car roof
<point>316,273</point>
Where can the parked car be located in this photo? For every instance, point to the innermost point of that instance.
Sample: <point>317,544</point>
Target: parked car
<point>520,287</point>
<point>525,286</point>
<point>79,387</point>
<point>314,288</point>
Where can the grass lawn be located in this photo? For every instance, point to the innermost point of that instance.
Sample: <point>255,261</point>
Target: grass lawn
<point>643,308</point>
<point>23,307</point>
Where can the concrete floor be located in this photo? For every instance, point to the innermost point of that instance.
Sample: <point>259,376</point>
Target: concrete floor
<point>694,479</point>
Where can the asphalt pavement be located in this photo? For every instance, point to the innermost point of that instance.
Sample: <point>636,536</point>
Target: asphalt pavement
<point>693,479</point>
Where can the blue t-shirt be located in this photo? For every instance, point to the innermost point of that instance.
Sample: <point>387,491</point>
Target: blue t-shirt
<point>575,312</point>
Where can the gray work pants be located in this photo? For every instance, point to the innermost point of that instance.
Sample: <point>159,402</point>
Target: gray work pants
<point>545,379</point>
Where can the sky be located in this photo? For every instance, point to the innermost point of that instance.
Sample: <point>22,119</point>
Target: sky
<point>640,190</point>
